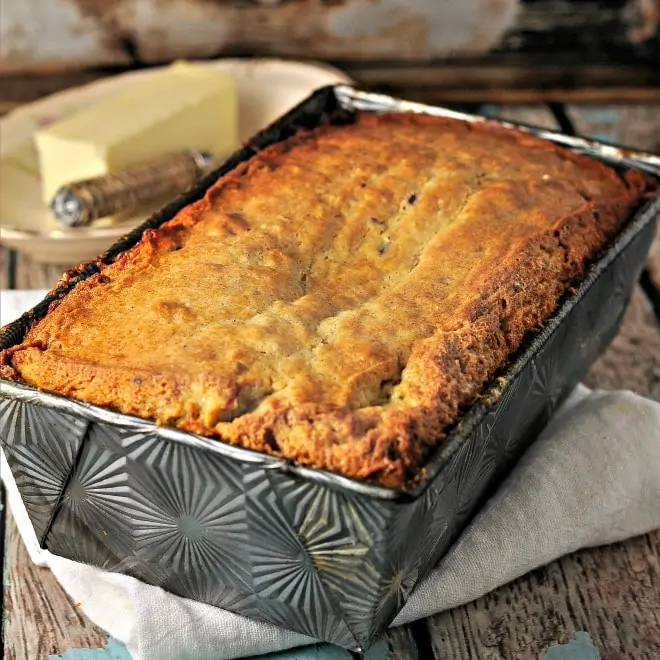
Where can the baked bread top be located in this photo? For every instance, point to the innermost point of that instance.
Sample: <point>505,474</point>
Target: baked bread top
<point>339,298</point>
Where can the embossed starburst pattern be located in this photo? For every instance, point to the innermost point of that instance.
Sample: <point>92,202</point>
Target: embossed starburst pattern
<point>188,510</point>
<point>40,446</point>
<point>307,542</point>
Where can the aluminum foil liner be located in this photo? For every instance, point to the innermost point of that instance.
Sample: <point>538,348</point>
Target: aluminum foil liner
<point>310,551</point>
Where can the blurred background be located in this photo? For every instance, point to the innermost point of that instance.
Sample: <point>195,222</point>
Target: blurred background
<point>472,51</point>
<point>502,51</point>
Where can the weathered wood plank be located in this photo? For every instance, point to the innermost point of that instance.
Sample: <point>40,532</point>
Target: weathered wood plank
<point>474,50</point>
<point>28,273</point>
<point>632,125</point>
<point>610,592</point>
<point>443,83</point>
<point>632,361</point>
<point>654,262</point>
<point>483,92</point>
<point>39,617</point>
<point>19,89</point>
<point>508,75</point>
<point>402,645</point>
<point>7,269</point>
<point>3,539</point>
<point>79,33</point>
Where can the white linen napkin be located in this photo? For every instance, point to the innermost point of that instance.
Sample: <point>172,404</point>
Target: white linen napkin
<point>592,478</point>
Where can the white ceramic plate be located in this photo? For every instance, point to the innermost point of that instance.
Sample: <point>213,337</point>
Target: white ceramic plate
<point>267,88</point>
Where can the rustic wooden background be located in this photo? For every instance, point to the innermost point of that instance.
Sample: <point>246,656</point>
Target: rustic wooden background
<point>473,50</point>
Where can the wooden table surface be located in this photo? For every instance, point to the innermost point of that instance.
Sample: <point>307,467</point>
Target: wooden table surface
<point>599,603</point>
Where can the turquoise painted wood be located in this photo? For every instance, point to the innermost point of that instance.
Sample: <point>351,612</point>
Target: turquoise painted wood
<point>315,652</point>
<point>579,648</point>
<point>113,650</point>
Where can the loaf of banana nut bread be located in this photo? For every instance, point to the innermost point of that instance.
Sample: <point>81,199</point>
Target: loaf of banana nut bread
<point>341,297</point>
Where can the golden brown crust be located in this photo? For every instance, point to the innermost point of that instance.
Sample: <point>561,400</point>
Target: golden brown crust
<point>338,298</point>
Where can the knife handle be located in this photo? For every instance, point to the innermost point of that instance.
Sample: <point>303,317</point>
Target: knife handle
<point>80,203</point>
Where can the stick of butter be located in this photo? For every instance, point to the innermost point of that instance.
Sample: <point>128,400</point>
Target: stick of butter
<point>184,106</point>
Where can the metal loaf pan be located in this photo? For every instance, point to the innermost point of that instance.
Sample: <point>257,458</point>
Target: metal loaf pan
<point>310,551</point>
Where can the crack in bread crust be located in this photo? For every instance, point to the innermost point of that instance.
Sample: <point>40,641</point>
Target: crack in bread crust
<point>339,298</point>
